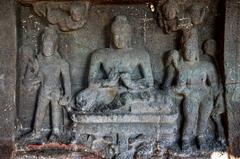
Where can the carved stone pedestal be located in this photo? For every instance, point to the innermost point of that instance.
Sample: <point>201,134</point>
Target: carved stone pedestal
<point>152,129</point>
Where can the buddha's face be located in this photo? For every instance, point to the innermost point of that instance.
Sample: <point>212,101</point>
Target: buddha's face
<point>48,45</point>
<point>121,40</point>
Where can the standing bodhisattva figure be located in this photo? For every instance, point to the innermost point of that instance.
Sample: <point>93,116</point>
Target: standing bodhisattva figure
<point>55,87</point>
<point>196,81</point>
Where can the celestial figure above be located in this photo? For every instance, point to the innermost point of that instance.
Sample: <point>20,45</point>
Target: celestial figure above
<point>181,15</point>
<point>67,16</point>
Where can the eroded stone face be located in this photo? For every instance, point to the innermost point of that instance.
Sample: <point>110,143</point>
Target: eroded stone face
<point>110,79</point>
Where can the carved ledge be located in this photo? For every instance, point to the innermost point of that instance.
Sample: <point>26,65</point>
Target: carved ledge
<point>124,118</point>
<point>97,1</point>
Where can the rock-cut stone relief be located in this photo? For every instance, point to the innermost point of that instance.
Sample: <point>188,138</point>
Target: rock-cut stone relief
<point>67,16</point>
<point>121,90</point>
<point>210,55</point>
<point>51,72</point>
<point>197,82</point>
<point>119,75</point>
<point>122,112</point>
<point>194,77</point>
<point>182,15</point>
<point>121,81</point>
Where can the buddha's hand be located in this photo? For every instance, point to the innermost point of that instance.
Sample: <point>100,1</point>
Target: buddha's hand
<point>113,74</point>
<point>112,80</point>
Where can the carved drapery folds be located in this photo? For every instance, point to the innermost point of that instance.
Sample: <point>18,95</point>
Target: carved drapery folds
<point>122,110</point>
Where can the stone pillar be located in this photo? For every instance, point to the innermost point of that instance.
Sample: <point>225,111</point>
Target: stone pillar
<point>8,54</point>
<point>232,74</point>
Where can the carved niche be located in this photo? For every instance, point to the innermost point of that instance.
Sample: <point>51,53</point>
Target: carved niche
<point>110,78</point>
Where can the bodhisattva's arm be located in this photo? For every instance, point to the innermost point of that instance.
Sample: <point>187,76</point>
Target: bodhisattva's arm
<point>168,77</point>
<point>66,79</point>
<point>94,69</point>
<point>212,79</point>
<point>171,63</point>
<point>147,71</point>
<point>181,86</point>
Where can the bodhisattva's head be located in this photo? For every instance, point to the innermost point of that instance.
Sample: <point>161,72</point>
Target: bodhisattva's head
<point>49,41</point>
<point>210,47</point>
<point>190,48</point>
<point>121,32</point>
<point>190,53</point>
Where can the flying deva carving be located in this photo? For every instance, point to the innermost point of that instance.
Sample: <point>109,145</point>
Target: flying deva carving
<point>67,16</point>
<point>182,15</point>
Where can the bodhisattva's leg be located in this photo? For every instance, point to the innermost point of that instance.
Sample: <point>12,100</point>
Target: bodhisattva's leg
<point>190,112</point>
<point>218,110</point>
<point>42,106</point>
<point>57,115</point>
<point>220,129</point>
<point>205,112</point>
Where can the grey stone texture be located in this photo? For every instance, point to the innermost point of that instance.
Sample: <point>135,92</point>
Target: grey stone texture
<point>121,80</point>
<point>231,70</point>
<point>8,76</point>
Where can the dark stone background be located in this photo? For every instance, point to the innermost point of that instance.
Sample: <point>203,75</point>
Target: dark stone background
<point>232,74</point>
<point>8,49</point>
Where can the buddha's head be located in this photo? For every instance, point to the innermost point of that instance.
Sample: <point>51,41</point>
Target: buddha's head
<point>49,41</point>
<point>121,32</point>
